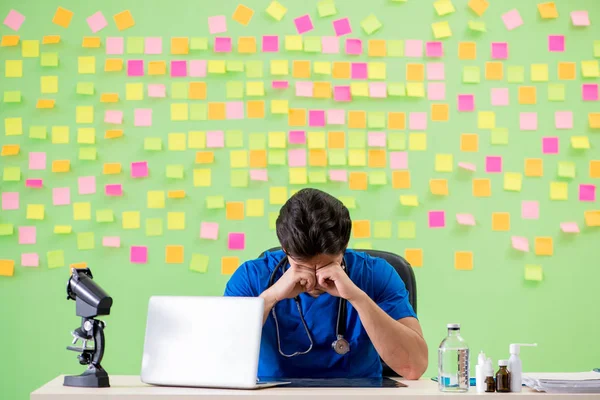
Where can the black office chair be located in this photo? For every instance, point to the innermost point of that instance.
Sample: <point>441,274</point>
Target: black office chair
<point>407,275</point>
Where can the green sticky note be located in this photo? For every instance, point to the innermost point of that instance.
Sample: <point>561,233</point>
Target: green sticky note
<point>376,120</point>
<point>337,157</point>
<point>215,202</point>
<point>199,43</point>
<point>105,216</point>
<point>395,48</point>
<point>396,141</point>
<point>377,178</point>
<point>56,258</point>
<point>370,24</point>
<point>235,66</point>
<point>152,144</point>
<point>154,226</point>
<point>357,139</point>
<point>199,263</point>
<point>179,90</point>
<point>276,157</point>
<point>348,201</point>
<point>49,60</point>
<point>38,132</point>
<point>396,89</point>
<point>382,229</point>
<point>13,96</point>
<point>499,136</point>
<point>239,178</point>
<point>477,26</point>
<point>234,90</point>
<point>534,273</point>
<point>88,153</point>
<point>471,74</point>
<point>556,92</point>
<point>85,241</point>
<point>326,8</point>
<point>198,112</point>
<point>515,74</point>
<point>273,219</point>
<point>135,45</point>
<point>12,174</point>
<point>312,44</point>
<point>175,171</point>
<point>6,229</point>
<point>234,139</point>
<point>317,176</point>
<point>566,169</point>
<point>363,245</point>
<point>86,88</point>
<point>254,69</point>
<point>407,230</point>
<point>257,141</point>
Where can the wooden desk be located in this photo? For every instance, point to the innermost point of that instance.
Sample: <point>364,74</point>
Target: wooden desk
<point>131,388</point>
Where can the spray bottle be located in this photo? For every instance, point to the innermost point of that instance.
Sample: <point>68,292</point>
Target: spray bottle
<point>480,373</point>
<point>515,366</point>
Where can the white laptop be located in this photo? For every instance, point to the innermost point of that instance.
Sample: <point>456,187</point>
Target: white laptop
<point>203,342</point>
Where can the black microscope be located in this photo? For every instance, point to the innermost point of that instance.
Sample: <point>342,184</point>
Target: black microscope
<point>90,301</point>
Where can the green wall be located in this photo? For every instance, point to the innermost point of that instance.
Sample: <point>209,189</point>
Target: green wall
<point>494,303</point>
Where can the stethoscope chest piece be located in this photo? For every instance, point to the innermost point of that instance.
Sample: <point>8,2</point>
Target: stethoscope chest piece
<point>340,345</point>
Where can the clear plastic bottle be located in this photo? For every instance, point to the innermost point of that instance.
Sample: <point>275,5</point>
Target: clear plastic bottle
<point>453,362</point>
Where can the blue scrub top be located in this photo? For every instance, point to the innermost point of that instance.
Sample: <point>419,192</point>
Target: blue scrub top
<point>374,276</point>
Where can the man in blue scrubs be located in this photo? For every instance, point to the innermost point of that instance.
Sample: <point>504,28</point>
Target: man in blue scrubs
<point>313,228</point>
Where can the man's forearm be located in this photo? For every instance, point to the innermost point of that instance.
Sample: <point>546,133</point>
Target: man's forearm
<point>270,302</point>
<point>401,347</point>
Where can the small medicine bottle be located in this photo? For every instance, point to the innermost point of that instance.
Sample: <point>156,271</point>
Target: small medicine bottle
<point>503,377</point>
<point>490,384</point>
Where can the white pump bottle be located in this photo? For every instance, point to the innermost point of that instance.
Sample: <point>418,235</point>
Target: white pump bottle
<point>515,366</point>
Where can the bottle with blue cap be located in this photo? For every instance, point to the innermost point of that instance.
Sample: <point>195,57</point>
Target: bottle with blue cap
<point>453,362</point>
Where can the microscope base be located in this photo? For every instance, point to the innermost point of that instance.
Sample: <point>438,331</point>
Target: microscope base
<point>92,377</point>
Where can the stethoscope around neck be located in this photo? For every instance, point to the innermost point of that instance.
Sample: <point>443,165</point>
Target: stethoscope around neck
<point>340,345</point>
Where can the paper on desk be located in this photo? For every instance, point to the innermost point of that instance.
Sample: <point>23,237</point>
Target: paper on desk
<point>563,376</point>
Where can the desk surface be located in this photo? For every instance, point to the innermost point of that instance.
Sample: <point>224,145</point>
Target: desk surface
<point>130,388</point>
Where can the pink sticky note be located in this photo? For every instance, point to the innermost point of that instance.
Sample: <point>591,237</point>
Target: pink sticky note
<point>580,18</point>
<point>342,27</point>
<point>139,254</point>
<point>466,102</point>
<point>297,137</point>
<point>330,45</point>
<point>27,235</point>
<point>520,243</point>
<point>61,196</point>
<point>434,49</point>
<point>354,46</point>
<point>297,157</point>
<point>563,119</point>
<point>222,45</point>
<point>86,185</point>
<point>209,230</point>
<point>589,92</point>
<point>303,24</point>
<point>215,139</point>
<point>436,71</point>
<point>30,260</point>
<point>114,45</point>
<point>135,67</point>
<point>14,20</point>
<point>398,160</point>
<point>153,45</point>
<point>197,68</point>
<point>528,121</point>
<point>413,48</point>
<point>34,183</point>
<point>569,227</point>
<point>437,219</point>
<point>217,24</point>
<point>139,169</point>
<point>358,70</point>
<point>37,160</point>
<point>316,118</point>
<point>378,90</point>
<point>465,219</point>
<point>113,117</point>
<point>587,192</point>
<point>417,121</point>
<point>376,139</point>
<point>342,93</point>
<point>336,117</point>
<point>234,110</point>
<point>499,50</point>
<point>114,241</point>
<point>550,145</point>
<point>304,89</point>
<point>10,200</point>
<point>512,19</point>
<point>499,97</point>
<point>556,43</point>
<point>280,84</point>
<point>157,90</point>
<point>96,22</point>
<point>436,91</point>
<point>178,68</point>
<point>236,241</point>
<point>467,166</point>
<point>530,209</point>
<point>259,175</point>
<point>493,164</point>
<point>114,189</point>
<point>270,44</point>
<point>338,175</point>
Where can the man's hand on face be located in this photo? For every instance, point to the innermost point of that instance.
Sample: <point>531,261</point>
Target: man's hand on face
<point>334,280</point>
<point>295,280</point>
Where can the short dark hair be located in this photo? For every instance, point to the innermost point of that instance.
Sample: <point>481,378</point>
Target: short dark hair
<point>313,222</point>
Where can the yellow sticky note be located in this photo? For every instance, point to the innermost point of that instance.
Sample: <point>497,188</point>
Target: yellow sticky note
<point>131,219</point>
<point>415,89</point>
<point>179,112</point>
<point>438,187</point>
<point>559,191</point>
<point>280,67</point>
<point>216,67</point>
<point>486,120</point>
<point>13,68</point>
<point>441,29</point>
<point>255,88</point>
<point>13,126</point>
<point>197,140</point>
<point>202,178</point>
<point>279,106</point>
<point>376,70</point>
<point>543,246</point>
<point>539,72</point>
<point>293,43</point>
<point>278,195</point>
<point>255,208</point>
<point>359,89</point>
<point>86,65</point>
<point>134,91</point>
<point>30,48</point>
<point>580,142</point>
<point>590,69</point>
<point>444,162</point>
<point>463,260</point>
<point>49,84</point>
<point>177,141</point>
<point>534,273</point>
<point>417,141</point>
<point>60,135</point>
<point>276,10</point>
<point>322,67</point>
<point>82,211</point>
<point>276,140</point>
<point>63,229</point>
<point>316,140</point>
<point>443,7</point>
<point>176,221</point>
<point>35,211</point>
<point>156,199</point>
<point>409,200</point>
<point>84,114</point>
<point>298,176</point>
<point>513,181</point>
<point>238,159</point>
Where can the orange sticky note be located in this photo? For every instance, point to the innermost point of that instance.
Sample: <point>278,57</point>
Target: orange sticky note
<point>396,120</point>
<point>45,103</point>
<point>543,246</point>
<point>438,187</point>
<point>124,20</point>
<point>229,265</point>
<point>234,210</point>
<point>255,109</point>
<point>113,133</point>
<point>297,117</point>
<point>317,158</point>
<point>469,142</point>
<point>7,267</point>
<point>341,70</point>
<point>9,40</point>
<point>91,42</point>
<point>301,69</point>
<point>10,149</point>
<point>440,112</point>
<point>358,181</point>
<point>467,50</point>
<point>51,39</point>
<point>592,218</point>
<point>180,45</point>
<point>357,119</point>
<point>109,97</point>
<point>336,140</point>
<point>377,158</point>
<point>157,68</point>
<point>463,260</point>
<point>242,14</point>
<point>494,71</point>
<point>80,265</point>
<point>113,64</point>
<point>500,221</point>
<point>258,159</point>
<point>111,168</point>
<point>594,120</point>
<point>548,10</point>
<point>478,6</point>
<point>534,167</point>
<point>205,157</point>
<point>216,111</point>
<point>61,166</point>
<point>247,45</point>
<point>401,179</point>
<point>377,48</point>
<point>482,187</point>
<point>414,257</point>
<point>594,168</point>
<point>361,229</point>
<point>322,90</point>
<point>527,95</point>
<point>62,17</point>
<point>567,71</point>
<point>197,90</point>
<point>176,194</point>
<point>415,72</point>
<point>174,254</point>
